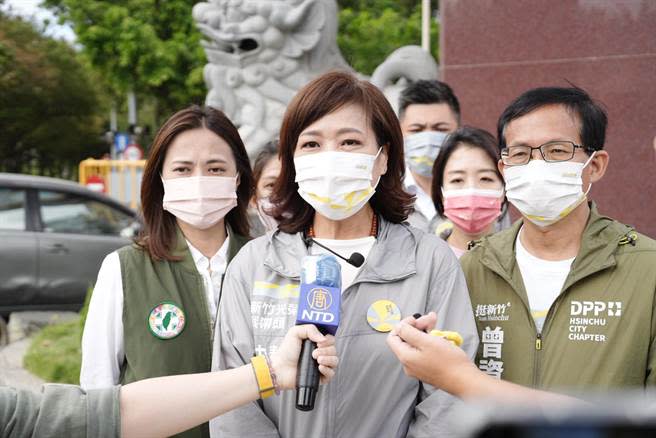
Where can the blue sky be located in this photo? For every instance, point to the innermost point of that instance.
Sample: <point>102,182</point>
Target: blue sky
<point>30,9</point>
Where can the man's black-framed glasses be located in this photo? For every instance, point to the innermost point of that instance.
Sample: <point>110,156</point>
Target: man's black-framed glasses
<point>552,152</point>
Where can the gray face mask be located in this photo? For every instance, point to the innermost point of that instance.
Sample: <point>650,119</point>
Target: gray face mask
<point>421,150</point>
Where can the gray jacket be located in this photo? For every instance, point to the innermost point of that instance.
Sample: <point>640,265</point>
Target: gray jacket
<point>418,220</point>
<point>370,395</point>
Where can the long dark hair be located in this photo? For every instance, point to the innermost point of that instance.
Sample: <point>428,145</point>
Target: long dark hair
<point>159,232</point>
<point>320,97</point>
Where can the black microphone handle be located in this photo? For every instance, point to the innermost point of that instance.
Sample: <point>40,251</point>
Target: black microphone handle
<point>307,377</point>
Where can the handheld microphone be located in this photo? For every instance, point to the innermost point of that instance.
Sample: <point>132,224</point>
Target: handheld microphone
<point>356,259</point>
<point>319,304</point>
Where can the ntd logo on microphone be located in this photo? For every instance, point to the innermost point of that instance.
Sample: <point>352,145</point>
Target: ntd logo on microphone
<point>319,305</point>
<point>320,299</point>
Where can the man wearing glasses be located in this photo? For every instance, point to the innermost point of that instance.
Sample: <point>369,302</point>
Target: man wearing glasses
<point>565,299</point>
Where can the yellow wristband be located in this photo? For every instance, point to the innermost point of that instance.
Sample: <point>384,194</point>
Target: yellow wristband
<point>453,337</point>
<point>263,376</point>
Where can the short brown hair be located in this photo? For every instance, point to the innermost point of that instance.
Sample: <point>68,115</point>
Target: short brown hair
<point>159,232</point>
<point>322,96</point>
<point>268,151</point>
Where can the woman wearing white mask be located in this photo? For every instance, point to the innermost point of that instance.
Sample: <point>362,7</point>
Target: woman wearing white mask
<point>266,169</point>
<point>340,185</point>
<point>154,305</point>
<point>467,186</point>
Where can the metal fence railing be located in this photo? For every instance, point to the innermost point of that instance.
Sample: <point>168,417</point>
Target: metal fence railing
<point>120,179</point>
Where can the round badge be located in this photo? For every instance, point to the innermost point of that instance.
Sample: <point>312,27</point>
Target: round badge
<point>383,315</point>
<point>166,320</point>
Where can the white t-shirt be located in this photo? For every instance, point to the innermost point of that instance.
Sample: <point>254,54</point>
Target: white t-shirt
<point>457,251</point>
<point>345,248</point>
<point>103,351</point>
<point>423,202</point>
<point>543,280</point>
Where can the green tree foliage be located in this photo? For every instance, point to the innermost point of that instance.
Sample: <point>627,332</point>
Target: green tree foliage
<point>48,104</point>
<point>369,30</point>
<point>404,7</point>
<point>150,46</point>
<point>153,46</point>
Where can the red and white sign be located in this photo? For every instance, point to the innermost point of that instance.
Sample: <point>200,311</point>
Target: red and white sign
<point>96,183</point>
<point>133,152</point>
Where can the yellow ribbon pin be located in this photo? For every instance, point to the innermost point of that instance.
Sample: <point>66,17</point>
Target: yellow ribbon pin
<point>383,315</point>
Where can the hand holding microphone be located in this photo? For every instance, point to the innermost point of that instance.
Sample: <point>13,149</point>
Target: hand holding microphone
<point>319,304</point>
<point>285,360</point>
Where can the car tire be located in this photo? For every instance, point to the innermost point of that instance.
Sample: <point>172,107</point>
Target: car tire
<point>4,336</point>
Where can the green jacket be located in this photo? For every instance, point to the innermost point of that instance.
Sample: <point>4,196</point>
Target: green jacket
<point>60,411</point>
<point>147,285</point>
<point>599,333</point>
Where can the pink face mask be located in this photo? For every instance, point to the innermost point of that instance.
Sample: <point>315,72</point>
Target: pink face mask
<point>472,210</point>
<point>200,201</point>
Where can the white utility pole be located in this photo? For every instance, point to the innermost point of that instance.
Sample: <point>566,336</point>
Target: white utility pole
<point>113,118</point>
<point>113,129</point>
<point>132,108</point>
<point>425,24</point>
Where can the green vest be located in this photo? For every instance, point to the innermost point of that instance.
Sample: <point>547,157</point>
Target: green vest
<point>148,283</point>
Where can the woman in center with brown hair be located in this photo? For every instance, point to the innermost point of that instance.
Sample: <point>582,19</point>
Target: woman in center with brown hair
<point>341,153</point>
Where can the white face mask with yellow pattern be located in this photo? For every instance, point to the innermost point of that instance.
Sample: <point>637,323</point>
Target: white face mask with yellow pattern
<point>546,192</point>
<point>336,184</point>
<point>421,150</point>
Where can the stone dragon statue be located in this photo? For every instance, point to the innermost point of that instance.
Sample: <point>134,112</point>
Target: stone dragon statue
<point>260,52</point>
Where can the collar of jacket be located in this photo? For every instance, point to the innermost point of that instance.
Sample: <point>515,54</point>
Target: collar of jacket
<point>391,258</point>
<point>182,252</point>
<point>599,243</point>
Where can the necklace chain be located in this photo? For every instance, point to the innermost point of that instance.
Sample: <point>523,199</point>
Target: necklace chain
<point>372,233</point>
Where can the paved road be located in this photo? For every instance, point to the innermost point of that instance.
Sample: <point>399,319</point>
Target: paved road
<point>11,367</point>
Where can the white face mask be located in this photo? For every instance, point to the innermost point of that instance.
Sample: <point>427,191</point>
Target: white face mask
<point>546,192</point>
<point>200,201</point>
<point>335,184</point>
<point>421,150</point>
<point>264,208</point>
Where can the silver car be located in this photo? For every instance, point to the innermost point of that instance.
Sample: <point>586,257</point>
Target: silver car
<point>54,235</point>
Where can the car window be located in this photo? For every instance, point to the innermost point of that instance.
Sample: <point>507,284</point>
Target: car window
<point>68,213</point>
<point>12,209</point>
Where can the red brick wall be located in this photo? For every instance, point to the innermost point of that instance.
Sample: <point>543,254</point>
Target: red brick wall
<point>492,51</point>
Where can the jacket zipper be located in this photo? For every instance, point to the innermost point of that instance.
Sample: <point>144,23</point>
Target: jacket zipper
<point>539,341</point>
<point>536,366</point>
<point>537,345</point>
<point>216,315</point>
<point>552,310</point>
